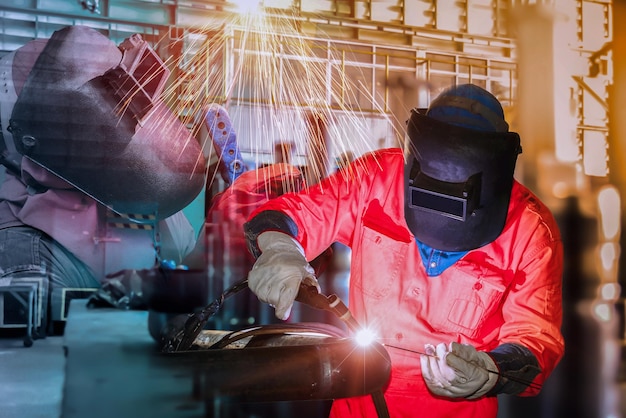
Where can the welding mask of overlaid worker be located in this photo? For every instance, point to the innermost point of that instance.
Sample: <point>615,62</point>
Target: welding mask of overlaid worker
<point>93,114</point>
<point>460,160</point>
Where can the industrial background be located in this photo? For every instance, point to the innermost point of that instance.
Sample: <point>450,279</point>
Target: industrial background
<point>558,68</point>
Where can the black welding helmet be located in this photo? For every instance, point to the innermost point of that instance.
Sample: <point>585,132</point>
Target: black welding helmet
<point>92,113</point>
<point>460,159</point>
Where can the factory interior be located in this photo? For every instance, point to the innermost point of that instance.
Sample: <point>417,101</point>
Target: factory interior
<point>303,87</point>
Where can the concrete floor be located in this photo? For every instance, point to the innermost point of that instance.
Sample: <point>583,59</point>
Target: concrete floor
<point>31,379</point>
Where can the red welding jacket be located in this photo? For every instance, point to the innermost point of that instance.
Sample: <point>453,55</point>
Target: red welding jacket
<point>508,291</point>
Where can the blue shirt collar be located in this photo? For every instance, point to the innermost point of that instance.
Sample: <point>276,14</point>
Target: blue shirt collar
<point>436,261</point>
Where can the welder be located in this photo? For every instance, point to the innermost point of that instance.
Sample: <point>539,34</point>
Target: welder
<point>98,169</point>
<point>456,266</point>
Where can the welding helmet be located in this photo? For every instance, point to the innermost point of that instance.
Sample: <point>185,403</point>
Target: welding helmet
<point>92,113</point>
<point>460,159</point>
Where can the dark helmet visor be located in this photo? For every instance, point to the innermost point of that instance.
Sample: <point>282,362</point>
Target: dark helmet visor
<point>457,183</point>
<point>454,200</point>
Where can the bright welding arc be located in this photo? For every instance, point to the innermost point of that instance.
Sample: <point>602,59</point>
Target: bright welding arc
<point>364,337</point>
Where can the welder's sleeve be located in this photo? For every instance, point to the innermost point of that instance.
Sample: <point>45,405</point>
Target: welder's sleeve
<point>288,232</point>
<point>532,312</point>
<point>324,213</point>
<point>265,221</point>
<point>517,368</point>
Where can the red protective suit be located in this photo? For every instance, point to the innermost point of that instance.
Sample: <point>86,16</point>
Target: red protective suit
<point>506,291</point>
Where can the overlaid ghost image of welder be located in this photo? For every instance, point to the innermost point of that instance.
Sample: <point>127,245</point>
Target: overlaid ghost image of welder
<point>98,169</point>
<point>456,267</point>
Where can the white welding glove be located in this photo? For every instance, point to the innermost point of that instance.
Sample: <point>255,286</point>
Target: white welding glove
<point>458,371</point>
<point>276,275</point>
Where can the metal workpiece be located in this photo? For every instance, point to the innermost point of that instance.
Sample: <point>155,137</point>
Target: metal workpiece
<point>338,368</point>
<point>277,363</point>
<point>284,362</point>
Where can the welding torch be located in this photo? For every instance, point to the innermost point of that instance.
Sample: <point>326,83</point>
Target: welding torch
<point>309,295</point>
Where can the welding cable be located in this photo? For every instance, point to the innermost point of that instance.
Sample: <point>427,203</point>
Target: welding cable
<point>380,404</point>
<point>180,337</point>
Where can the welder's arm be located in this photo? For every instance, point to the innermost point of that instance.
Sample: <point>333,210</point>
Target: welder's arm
<point>280,266</point>
<point>460,371</point>
<point>517,368</point>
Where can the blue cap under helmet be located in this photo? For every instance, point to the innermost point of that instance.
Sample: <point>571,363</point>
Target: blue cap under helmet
<point>469,106</point>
